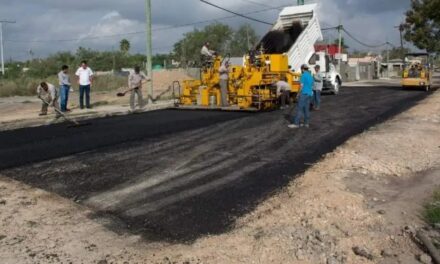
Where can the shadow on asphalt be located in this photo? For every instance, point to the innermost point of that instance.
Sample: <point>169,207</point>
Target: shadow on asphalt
<point>178,185</point>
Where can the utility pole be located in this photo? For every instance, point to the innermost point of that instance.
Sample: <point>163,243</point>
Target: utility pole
<point>247,37</point>
<point>149,49</point>
<point>388,60</point>
<point>401,28</point>
<point>2,44</point>
<point>340,27</point>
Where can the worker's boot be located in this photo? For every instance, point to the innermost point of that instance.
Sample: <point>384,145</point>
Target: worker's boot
<point>42,114</point>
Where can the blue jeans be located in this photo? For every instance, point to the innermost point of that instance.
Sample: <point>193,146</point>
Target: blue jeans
<point>64,97</point>
<point>316,99</point>
<point>303,109</point>
<point>84,89</point>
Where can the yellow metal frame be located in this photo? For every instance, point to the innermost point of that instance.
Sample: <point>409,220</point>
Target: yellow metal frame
<point>423,76</point>
<point>251,86</point>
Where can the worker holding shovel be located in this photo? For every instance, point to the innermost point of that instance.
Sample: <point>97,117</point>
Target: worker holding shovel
<point>135,87</point>
<point>49,97</point>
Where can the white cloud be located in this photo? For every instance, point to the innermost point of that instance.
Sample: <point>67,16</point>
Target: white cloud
<point>111,24</point>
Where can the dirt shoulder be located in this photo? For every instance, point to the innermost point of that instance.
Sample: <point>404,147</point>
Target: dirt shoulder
<point>22,111</point>
<point>365,195</point>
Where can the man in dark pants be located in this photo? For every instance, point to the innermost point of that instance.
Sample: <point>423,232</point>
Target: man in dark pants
<point>64,81</point>
<point>283,91</point>
<point>85,79</point>
<point>305,98</point>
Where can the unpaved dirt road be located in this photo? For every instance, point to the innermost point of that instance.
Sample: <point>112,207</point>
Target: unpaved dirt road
<point>177,176</point>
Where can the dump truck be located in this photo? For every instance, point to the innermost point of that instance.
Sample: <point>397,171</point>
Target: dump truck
<point>279,55</point>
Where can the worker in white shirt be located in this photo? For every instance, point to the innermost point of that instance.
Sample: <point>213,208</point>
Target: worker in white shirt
<point>49,97</point>
<point>207,55</point>
<point>283,92</point>
<point>206,51</point>
<point>85,79</point>
<point>317,88</point>
<point>224,83</point>
<point>135,85</point>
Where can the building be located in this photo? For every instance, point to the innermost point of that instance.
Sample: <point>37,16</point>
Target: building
<point>331,49</point>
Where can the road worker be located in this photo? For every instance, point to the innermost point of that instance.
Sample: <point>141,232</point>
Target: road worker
<point>224,83</point>
<point>48,95</point>
<point>305,97</point>
<point>283,92</point>
<point>317,88</point>
<point>135,85</point>
<point>207,55</point>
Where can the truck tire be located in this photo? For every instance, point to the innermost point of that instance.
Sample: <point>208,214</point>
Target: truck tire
<point>337,87</point>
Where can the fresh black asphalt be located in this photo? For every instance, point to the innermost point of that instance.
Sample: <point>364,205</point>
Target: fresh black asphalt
<point>179,175</point>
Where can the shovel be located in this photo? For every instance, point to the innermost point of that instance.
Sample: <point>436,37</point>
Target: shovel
<point>74,123</point>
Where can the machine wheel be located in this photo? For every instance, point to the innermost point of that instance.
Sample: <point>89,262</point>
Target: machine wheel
<point>337,87</point>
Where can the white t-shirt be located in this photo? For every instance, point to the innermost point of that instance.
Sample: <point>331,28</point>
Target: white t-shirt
<point>205,51</point>
<point>319,79</point>
<point>282,86</point>
<point>52,91</point>
<point>84,75</point>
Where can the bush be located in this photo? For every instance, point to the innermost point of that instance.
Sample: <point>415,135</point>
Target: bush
<point>27,86</point>
<point>432,209</point>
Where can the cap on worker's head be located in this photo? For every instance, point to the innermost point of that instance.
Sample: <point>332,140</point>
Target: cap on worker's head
<point>305,67</point>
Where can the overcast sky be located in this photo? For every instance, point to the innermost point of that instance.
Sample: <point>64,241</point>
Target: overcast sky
<point>42,23</point>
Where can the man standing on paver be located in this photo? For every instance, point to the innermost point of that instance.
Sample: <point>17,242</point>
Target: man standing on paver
<point>85,79</point>
<point>64,81</point>
<point>135,85</point>
<point>305,97</point>
<point>48,95</point>
<point>317,88</point>
<point>224,83</point>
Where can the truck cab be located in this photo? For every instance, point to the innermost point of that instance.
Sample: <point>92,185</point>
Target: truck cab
<point>332,78</point>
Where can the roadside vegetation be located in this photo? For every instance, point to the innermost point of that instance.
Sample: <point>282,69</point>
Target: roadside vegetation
<point>432,209</point>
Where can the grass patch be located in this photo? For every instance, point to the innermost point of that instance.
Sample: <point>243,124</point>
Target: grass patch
<point>432,209</point>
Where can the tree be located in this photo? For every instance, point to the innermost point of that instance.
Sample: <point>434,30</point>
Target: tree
<point>396,53</point>
<point>343,44</point>
<point>188,49</point>
<point>124,46</point>
<point>244,39</point>
<point>422,26</point>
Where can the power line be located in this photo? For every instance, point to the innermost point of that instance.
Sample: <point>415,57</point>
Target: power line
<point>143,32</point>
<point>362,43</point>
<point>235,13</point>
<point>258,3</point>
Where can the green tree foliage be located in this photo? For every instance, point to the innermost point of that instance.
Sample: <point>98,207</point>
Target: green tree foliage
<point>188,49</point>
<point>422,25</point>
<point>396,53</point>
<point>343,44</point>
<point>244,39</point>
<point>223,39</point>
<point>98,61</point>
<point>124,46</point>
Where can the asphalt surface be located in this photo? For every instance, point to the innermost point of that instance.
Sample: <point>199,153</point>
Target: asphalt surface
<point>179,175</point>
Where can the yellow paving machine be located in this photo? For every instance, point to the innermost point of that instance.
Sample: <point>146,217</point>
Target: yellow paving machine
<point>417,71</point>
<point>251,86</point>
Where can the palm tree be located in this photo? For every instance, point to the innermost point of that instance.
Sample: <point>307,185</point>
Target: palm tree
<point>124,45</point>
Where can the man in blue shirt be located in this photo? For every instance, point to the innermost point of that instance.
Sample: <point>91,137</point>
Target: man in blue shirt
<point>305,97</point>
